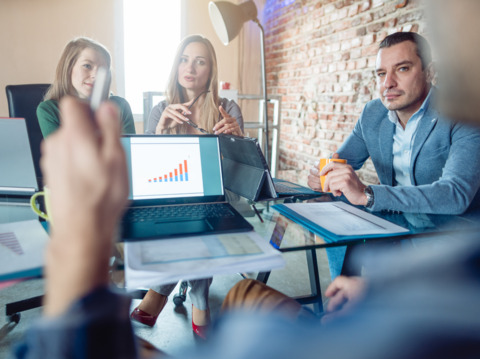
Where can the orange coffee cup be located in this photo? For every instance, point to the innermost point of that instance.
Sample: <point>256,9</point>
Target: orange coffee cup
<point>323,163</point>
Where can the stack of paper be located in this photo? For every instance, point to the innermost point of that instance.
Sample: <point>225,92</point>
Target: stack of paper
<point>22,247</point>
<point>163,261</point>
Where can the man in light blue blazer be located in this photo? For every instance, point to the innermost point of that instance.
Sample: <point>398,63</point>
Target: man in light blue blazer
<point>425,162</point>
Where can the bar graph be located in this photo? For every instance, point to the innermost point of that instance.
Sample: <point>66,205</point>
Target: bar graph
<point>180,174</point>
<point>164,167</point>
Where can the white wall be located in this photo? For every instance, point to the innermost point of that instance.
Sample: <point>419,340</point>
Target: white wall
<point>33,34</point>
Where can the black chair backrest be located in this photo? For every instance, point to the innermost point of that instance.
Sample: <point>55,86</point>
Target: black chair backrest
<point>22,102</point>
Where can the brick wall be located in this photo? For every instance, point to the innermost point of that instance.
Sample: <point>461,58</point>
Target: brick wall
<point>320,60</point>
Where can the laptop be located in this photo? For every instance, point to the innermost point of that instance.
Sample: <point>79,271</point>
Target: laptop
<point>176,188</point>
<point>247,174</point>
<point>17,171</point>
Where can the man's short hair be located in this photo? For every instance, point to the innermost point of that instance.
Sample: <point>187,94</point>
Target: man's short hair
<point>423,47</point>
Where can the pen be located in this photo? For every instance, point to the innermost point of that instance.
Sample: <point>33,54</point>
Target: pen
<point>100,88</point>
<point>257,212</point>
<point>194,125</point>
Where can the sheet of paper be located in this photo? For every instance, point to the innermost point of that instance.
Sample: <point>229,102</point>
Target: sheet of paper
<point>208,247</point>
<point>343,219</point>
<point>22,246</point>
<point>156,262</point>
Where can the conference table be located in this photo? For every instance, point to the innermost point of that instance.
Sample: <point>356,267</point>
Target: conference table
<point>423,230</point>
<point>272,227</point>
<point>14,209</point>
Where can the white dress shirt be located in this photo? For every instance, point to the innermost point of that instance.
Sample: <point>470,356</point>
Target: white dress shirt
<point>403,143</point>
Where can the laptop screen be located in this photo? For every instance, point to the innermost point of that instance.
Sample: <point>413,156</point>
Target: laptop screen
<point>17,172</point>
<point>174,169</point>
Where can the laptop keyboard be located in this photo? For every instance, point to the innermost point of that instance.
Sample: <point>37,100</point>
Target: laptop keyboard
<point>178,213</point>
<point>283,188</point>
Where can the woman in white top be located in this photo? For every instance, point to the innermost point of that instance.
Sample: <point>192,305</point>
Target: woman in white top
<point>192,96</point>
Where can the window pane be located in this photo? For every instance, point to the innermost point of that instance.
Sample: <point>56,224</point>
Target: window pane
<point>151,35</point>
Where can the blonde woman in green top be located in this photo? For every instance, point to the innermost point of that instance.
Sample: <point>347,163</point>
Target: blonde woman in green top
<point>75,76</point>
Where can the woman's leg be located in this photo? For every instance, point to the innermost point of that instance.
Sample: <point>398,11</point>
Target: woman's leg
<point>155,299</point>
<point>165,289</point>
<point>152,304</point>
<point>199,296</point>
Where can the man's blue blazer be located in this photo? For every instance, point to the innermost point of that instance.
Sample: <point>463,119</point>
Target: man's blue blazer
<point>445,166</point>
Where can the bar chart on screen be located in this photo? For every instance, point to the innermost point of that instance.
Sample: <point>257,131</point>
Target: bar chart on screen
<point>178,174</point>
<point>169,169</point>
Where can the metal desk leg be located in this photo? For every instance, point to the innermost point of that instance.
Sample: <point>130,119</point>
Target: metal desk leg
<point>348,267</point>
<point>316,297</point>
<point>263,277</point>
<point>12,310</point>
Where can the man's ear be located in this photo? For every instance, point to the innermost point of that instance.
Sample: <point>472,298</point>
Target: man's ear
<point>430,72</point>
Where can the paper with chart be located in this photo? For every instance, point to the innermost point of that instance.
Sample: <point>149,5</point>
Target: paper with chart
<point>156,262</point>
<point>22,247</point>
<point>343,219</point>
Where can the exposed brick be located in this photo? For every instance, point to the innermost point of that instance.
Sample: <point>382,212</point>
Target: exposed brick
<point>391,23</point>
<point>375,27</point>
<point>369,50</point>
<point>366,5</point>
<point>342,14</point>
<point>361,63</point>
<point>354,10</point>
<point>354,54</point>
<point>339,4</point>
<point>351,65</point>
<point>356,42</point>
<point>369,39</point>
<point>356,22</point>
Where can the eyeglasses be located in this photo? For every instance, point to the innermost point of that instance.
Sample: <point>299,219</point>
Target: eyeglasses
<point>194,125</point>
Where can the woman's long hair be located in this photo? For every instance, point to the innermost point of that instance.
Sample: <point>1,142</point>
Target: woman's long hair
<point>62,84</point>
<point>209,112</point>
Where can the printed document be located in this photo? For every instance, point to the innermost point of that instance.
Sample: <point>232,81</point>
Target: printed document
<point>163,261</point>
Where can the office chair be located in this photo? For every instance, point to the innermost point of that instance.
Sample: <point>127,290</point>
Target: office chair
<point>22,102</point>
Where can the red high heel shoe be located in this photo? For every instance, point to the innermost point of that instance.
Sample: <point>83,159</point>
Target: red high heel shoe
<point>200,330</point>
<point>143,317</point>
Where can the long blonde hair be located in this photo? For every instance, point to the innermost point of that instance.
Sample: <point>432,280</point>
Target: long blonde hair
<point>62,83</point>
<point>209,111</point>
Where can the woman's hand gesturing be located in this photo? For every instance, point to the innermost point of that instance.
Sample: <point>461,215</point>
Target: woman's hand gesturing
<point>228,125</point>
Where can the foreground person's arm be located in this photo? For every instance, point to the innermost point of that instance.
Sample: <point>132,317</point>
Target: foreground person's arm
<point>84,167</point>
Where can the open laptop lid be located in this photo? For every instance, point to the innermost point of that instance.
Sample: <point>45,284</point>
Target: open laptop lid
<point>173,169</point>
<point>245,150</point>
<point>246,171</point>
<point>17,172</point>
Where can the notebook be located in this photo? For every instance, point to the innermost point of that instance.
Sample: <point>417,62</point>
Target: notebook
<point>17,172</point>
<point>247,174</point>
<point>176,188</point>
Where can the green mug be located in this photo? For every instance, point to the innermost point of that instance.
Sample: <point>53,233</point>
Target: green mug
<point>33,203</point>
